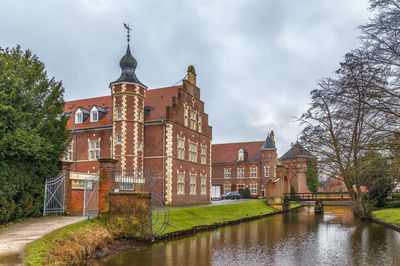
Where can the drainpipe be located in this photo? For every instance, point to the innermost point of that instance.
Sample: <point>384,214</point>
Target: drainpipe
<point>75,151</point>
<point>163,168</point>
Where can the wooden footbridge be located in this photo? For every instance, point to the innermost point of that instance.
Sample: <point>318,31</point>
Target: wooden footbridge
<point>322,196</point>
<point>318,199</point>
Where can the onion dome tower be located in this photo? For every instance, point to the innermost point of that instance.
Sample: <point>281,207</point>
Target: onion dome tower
<point>128,95</point>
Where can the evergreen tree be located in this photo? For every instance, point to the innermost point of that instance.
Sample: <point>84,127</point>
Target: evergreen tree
<point>33,132</point>
<point>312,175</point>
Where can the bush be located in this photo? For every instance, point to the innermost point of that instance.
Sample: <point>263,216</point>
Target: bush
<point>393,204</point>
<point>246,193</point>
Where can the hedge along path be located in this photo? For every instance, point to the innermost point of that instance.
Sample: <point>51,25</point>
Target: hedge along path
<point>15,237</point>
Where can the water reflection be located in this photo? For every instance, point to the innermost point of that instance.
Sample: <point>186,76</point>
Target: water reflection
<point>297,238</point>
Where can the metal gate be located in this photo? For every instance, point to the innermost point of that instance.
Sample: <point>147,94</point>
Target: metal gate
<point>54,195</point>
<point>91,196</point>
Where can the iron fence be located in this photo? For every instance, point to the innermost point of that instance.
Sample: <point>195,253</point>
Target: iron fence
<point>134,180</point>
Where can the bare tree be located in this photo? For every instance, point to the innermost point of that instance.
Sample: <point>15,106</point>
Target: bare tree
<point>381,46</point>
<point>341,125</point>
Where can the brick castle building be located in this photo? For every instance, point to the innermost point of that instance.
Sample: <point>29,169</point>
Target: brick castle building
<point>163,129</point>
<point>255,165</point>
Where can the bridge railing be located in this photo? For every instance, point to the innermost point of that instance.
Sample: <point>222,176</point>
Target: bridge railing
<point>319,195</point>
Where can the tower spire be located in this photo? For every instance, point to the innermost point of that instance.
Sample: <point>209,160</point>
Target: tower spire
<point>128,63</point>
<point>128,29</point>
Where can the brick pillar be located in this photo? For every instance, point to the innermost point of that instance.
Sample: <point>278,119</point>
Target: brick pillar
<point>66,166</point>
<point>106,184</point>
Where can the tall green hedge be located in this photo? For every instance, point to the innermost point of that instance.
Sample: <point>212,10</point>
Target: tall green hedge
<point>33,132</point>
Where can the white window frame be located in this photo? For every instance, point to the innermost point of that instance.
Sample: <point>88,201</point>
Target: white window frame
<point>193,122</point>
<point>253,172</point>
<point>119,113</point>
<point>227,173</point>
<point>240,172</point>
<point>94,150</point>
<point>119,139</point>
<point>193,152</point>
<point>266,171</point>
<point>186,115</point>
<point>94,112</point>
<point>181,148</point>
<point>69,154</point>
<point>181,183</point>
<point>139,115</point>
<point>78,116</point>
<point>203,155</point>
<point>203,184</point>
<point>240,155</point>
<point>227,188</point>
<point>192,184</point>
<point>253,189</point>
<point>200,127</point>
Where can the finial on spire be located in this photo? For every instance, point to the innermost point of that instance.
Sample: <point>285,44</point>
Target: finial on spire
<point>128,29</point>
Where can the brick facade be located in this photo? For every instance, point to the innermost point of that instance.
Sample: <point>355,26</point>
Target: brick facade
<point>142,128</point>
<point>259,169</point>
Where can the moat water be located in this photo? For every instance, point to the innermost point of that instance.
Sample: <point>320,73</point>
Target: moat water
<point>297,238</point>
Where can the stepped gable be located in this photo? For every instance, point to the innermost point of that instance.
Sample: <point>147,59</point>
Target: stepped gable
<point>297,151</point>
<point>228,152</point>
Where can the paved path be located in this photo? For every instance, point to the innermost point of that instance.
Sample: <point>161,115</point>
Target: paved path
<point>14,237</point>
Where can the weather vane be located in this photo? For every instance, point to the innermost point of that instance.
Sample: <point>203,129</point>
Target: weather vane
<point>128,30</point>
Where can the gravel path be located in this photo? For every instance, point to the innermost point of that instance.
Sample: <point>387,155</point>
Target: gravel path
<point>14,237</point>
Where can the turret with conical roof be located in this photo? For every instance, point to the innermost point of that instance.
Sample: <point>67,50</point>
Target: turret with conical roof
<point>269,143</point>
<point>297,151</point>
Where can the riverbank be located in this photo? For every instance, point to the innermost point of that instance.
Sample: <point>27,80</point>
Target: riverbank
<point>73,244</point>
<point>389,217</point>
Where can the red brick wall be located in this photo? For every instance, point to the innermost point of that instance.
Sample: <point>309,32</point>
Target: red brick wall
<point>83,162</point>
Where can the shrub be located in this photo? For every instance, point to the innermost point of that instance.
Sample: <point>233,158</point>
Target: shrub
<point>393,204</point>
<point>246,193</point>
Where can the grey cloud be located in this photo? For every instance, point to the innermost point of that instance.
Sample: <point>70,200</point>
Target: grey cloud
<point>256,60</point>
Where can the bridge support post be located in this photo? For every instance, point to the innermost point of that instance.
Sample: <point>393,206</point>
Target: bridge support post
<point>286,204</point>
<point>319,206</point>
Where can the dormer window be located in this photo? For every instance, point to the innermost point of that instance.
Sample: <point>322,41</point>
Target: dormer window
<point>241,155</point>
<point>94,114</point>
<point>78,116</point>
<point>81,115</point>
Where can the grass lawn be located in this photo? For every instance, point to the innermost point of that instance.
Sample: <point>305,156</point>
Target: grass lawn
<point>187,218</point>
<point>391,215</point>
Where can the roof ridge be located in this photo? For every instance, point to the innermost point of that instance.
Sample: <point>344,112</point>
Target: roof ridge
<point>255,141</point>
<point>88,98</point>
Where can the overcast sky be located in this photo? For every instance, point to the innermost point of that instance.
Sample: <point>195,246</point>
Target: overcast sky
<point>256,61</point>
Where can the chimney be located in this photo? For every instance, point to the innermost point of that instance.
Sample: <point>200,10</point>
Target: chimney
<point>191,75</point>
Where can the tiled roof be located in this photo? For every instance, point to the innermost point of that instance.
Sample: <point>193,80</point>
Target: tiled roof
<point>297,151</point>
<point>103,102</point>
<point>159,99</point>
<point>228,152</point>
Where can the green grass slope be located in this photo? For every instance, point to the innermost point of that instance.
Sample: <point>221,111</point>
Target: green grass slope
<point>187,218</point>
